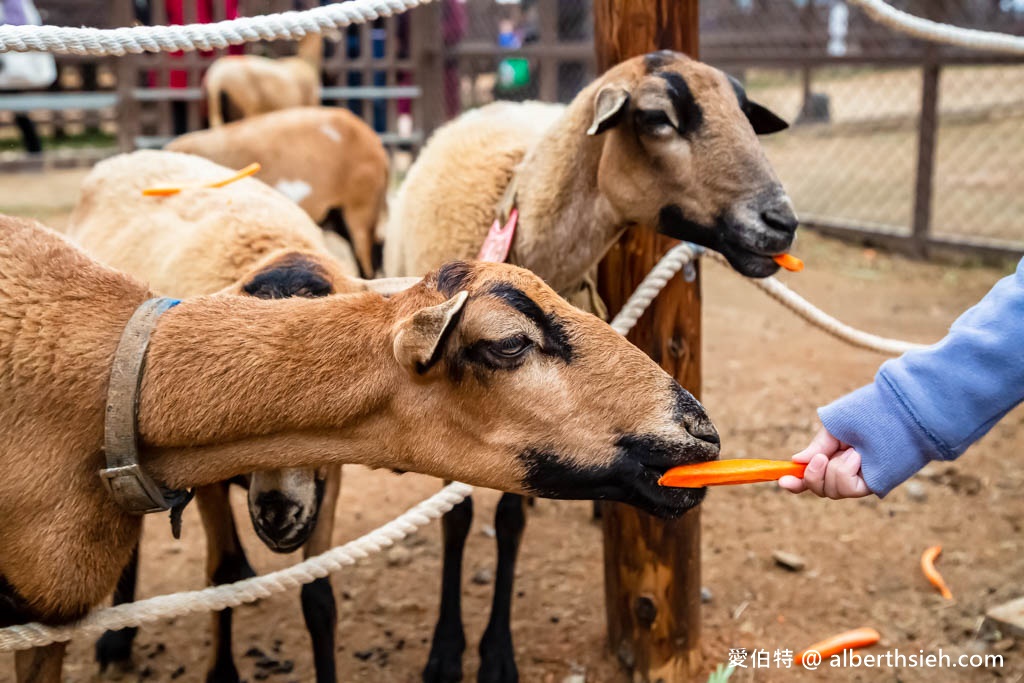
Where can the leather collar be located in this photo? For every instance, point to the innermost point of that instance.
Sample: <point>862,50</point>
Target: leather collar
<point>129,485</point>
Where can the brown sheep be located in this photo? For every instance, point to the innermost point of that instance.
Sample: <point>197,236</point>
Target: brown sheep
<point>479,373</point>
<point>254,241</point>
<point>659,140</point>
<point>326,159</point>
<point>257,85</point>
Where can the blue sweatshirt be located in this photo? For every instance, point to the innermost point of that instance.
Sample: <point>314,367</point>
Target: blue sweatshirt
<point>931,404</point>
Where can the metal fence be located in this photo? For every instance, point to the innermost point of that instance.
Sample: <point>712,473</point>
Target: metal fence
<point>905,143</point>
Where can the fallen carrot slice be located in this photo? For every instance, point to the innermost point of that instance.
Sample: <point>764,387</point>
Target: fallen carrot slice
<point>724,472</point>
<point>789,262</point>
<point>168,190</point>
<point>859,637</point>
<point>928,567</point>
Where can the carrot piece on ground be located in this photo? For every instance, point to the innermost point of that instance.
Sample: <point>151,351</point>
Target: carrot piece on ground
<point>928,567</point>
<point>725,472</point>
<point>169,190</point>
<point>858,637</point>
<point>789,262</point>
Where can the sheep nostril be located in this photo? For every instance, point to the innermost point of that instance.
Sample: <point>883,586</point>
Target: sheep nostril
<point>703,430</point>
<point>780,218</point>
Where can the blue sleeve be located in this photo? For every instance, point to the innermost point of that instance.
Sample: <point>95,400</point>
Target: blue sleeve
<point>932,403</point>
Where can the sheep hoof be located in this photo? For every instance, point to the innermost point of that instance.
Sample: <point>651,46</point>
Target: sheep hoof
<point>114,651</point>
<point>444,665</point>
<point>498,669</point>
<point>223,672</point>
<point>497,659</point>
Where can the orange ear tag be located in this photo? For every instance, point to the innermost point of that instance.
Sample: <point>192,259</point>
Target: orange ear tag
<point>499,239</point>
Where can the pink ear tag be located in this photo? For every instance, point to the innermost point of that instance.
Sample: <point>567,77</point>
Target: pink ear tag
<point>499,239</point>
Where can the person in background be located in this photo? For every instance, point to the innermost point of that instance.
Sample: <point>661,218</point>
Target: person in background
<point>21,71</point>
<point>928,404</point>
<point>179,78</point>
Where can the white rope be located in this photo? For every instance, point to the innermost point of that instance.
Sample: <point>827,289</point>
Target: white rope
<point>937,32</point>
<point>137,39</point>
<point>822,320</point>
<point>670,264</point>
<point>234,594</point>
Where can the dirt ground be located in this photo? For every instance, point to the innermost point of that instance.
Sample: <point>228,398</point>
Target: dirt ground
<point>765,372</point>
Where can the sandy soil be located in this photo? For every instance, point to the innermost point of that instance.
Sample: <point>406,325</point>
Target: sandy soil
<point>765,372</point>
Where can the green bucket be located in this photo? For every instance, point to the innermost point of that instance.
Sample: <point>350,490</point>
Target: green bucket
<point>513,72</point>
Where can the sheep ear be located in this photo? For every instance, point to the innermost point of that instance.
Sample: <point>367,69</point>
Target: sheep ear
<point>609,107</point>
<point>764,120</point>
<point>421,336</point>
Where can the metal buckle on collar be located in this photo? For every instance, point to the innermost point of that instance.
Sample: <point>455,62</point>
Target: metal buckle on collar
<point>132,489</point>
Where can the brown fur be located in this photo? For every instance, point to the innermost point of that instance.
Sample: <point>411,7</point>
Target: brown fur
<point>245,231</point>
<point>257,85</point>
<point>335,159</point>
<point>577,192</point>
<point>237,384</point>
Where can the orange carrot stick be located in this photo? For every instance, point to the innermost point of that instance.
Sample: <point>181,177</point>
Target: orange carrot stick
<point>724,472</point>
<point>168,190</point>
<point>789,262</point>
<point>858,637</point>
<point>928,567</point>
<point>251,169</point>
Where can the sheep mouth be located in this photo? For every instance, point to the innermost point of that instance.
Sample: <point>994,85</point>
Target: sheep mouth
<point>748,244</point>
<point>631,477</point>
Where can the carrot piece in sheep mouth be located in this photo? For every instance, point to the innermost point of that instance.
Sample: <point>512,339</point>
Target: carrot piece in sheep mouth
<point>789,262</point>
<point>169,190</point>
<point>728,472</point>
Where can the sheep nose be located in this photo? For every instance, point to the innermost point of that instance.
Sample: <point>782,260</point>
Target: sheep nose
<point>278,514</point>
<point>700,427</point>
<point>781,217</point>
<point>691,415</point>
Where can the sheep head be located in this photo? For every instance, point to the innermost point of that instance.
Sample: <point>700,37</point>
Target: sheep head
<point>680,153</point>
<point>498,366</point>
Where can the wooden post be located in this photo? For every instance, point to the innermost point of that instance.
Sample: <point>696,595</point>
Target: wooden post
<point>126,68</point>
<point>652,567</point>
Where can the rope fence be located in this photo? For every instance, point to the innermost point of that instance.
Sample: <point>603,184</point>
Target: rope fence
<point>293,25</point>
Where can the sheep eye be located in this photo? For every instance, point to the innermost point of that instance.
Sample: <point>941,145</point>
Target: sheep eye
<point>653,121</point>
<point>512,347</point>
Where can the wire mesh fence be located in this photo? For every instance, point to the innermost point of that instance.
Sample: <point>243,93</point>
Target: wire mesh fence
<point>892,137</point>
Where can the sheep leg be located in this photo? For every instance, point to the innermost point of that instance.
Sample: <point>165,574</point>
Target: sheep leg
<point>362,220</point>
<point>497,655</point>
<point>444,664</point>
<point>225,563</point>
<point>318,606</point>
<point>40,664</point>
<point>115,647</point>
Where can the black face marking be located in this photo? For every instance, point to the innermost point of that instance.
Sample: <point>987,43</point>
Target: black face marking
<point>556,341</point>
<point>689,113</point>
<point>275,509</point>
<point>654,61</point>
<point>626,478</point>
<point>672,222</point>
<point>289,276</point>
<point>453,277</point>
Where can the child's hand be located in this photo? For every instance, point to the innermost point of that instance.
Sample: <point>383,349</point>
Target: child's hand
<point>833,469</point>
